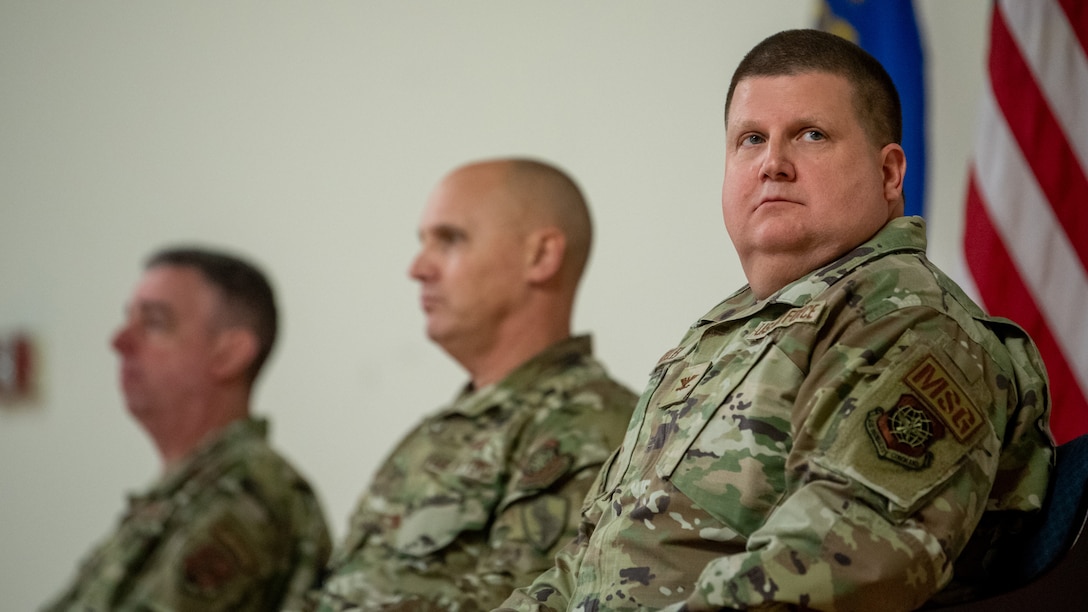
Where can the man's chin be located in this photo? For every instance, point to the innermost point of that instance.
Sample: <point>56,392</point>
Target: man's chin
<point>138,409</point>
<point>442,335</point>
<point>434,332</point>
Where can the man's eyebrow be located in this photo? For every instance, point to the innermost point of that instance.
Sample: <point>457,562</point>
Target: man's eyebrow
<point>150,307</point>
<point>746,124</point>
<point>797,123</point>
<point>445,231</point>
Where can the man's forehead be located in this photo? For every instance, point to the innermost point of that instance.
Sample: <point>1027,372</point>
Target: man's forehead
<point>805,90</point>
<point>443,216</point>
<point>465,212</point>
<point>168,285</point>
<point>146,305</point>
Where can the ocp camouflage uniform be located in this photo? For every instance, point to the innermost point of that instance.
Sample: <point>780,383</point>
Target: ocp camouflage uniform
<point>233,527</point>
<point>479,497</point>
<point>831,447</point>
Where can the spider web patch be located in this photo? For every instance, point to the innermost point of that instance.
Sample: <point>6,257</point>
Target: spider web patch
<point>905,433</point>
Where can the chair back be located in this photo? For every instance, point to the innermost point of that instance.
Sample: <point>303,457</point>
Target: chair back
<point>1049,570</point>
<point>1063,516</point>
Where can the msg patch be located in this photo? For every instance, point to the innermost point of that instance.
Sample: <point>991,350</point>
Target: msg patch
<point>905,432</point>
<point>940,391</point>
<point>912,425</point>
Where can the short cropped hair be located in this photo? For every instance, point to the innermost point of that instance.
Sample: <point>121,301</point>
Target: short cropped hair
<point>560,198</point>
<point>248,298</point>
<point>794,52</point>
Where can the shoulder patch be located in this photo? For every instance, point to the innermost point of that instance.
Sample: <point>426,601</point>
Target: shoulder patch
<point>543,520</point>
<point>809,313</point>
<point>544,466</point>
<point>215,564</point>
<point>912,427</point>
<point>941,393</point>
<point>905,433</point>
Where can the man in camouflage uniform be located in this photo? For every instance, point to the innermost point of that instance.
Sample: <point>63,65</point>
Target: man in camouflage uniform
<point>830,435</point>
<point>478,498</point>
<point>229,525</point>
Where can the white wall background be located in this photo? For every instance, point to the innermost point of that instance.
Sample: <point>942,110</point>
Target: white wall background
<point>307,136</point>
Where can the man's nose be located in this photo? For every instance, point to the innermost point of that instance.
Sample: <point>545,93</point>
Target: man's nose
<point>777,162</point>
<point>421,268</point>
<point>122,339</point>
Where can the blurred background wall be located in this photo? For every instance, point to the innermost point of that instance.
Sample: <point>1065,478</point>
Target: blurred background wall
<point>307,135</point>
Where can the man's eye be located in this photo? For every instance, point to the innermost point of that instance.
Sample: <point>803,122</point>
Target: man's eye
<point>155,322</point>
<point>752,139</point>
<point>448,236</point>
<point>154,319</point>
<point>451,238</point>
<point>815,135</point>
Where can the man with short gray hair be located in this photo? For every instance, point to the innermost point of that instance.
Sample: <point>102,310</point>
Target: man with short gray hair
<point>229,525</point>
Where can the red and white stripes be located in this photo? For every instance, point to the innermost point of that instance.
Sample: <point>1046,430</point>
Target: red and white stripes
<point>1026,230</point>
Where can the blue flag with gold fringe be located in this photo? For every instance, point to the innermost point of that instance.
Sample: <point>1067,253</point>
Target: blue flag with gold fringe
<point>888,30</point>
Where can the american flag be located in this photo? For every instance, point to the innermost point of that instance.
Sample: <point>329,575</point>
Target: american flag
<point>1026,230</point>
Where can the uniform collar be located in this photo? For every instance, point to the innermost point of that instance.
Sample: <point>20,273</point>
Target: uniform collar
<point>543,365</point>
<point>227,437</point>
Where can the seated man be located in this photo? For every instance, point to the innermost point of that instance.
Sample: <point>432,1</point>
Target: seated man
<point>478,497</point>
<point>229,525</point>
<point>830,435</point>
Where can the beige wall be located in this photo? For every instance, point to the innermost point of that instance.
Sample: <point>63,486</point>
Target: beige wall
<point>307,135</point>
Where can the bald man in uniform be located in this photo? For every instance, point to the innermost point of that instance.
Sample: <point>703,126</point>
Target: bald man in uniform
<point>478,498</point>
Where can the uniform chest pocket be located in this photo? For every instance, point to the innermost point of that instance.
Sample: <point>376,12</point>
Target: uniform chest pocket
<point>733,462</point>
<point>458,498</point>
<point>617,464</point>
<point>678,383</point>
<point>102,577</point>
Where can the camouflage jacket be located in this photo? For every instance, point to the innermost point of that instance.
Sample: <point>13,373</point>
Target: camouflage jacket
<point>232,528</point>
<point>831,447</point>
<point>478,498</point>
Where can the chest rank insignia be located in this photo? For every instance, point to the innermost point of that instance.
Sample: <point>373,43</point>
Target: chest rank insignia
<point>905,433</point>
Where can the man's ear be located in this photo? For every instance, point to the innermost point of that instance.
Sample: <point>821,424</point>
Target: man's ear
<point>235,350</point>
<point>546,248</point>
<point>895,169</point>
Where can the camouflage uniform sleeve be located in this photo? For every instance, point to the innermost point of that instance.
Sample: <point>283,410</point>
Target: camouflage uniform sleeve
<point>551,590</point>
<point>89,578</point>
<point>552,470</point>
<point>305,567</point>
<point>222,560</point>
<point>894,455</point>
<point>234,548</point>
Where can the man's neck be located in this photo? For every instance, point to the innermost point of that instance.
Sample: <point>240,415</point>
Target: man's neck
<point>508,353</point>
<point>178,440</point>
<point>768,273</point>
